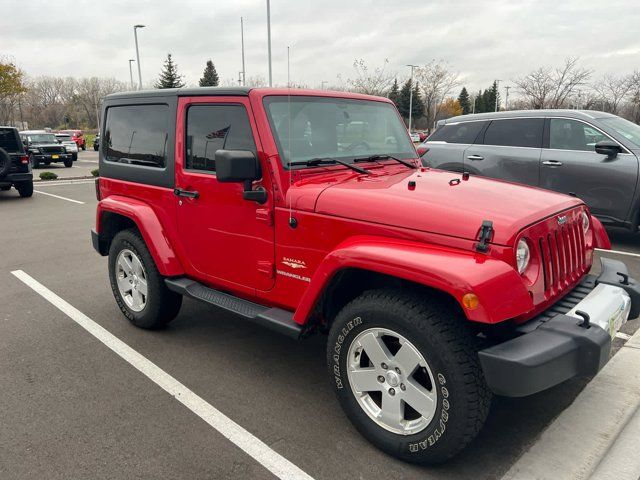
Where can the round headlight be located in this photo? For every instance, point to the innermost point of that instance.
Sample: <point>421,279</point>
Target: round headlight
<point>523,255</point>
<point>585,222</point>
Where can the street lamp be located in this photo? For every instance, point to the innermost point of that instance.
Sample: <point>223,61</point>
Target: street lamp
<point>135,35</point>
<point>244,73</point>
<point>411,96</point>
<point>269,41</point>
<point>131,73</point>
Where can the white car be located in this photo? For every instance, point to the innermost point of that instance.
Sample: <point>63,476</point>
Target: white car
<point>68,143</point>
<point>415,138</point>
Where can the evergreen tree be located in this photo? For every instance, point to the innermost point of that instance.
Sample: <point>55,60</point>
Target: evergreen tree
<point>464,101</point>
<point>403,99</point>
<point>479,103</point>
<point>210,76</point>
<point>417,107</point>
<point>169,77</point>
<point>394,93</point>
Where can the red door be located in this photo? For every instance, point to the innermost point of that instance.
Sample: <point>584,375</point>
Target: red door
<point>227,241</point>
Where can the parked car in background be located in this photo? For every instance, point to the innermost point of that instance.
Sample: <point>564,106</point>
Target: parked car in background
<point>96,142</point>
<point>415,137</point>
<point>15,170</point>
<point>423,136</point>
<point>587,154</point>
<point>69,144</point>
<point>78,137</point>
<point>43,147</point>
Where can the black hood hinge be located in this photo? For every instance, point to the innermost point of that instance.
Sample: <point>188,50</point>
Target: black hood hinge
<point>485,236</point>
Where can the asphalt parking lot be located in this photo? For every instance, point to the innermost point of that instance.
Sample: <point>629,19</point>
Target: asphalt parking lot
<point>71,408</point>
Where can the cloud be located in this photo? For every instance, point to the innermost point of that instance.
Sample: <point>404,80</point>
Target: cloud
<point>481,39</point>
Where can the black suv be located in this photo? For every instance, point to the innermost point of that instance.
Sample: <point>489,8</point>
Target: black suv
<point>43,147</point>
<point>15,168</point>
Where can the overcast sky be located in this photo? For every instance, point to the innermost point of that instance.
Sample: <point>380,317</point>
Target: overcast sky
<point>482,40</point>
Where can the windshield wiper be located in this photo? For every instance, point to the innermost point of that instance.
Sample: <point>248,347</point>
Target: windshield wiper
<point>314,162</point>
<point>373,158</point>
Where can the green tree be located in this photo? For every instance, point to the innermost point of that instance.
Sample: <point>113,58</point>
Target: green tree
<point>464,101</point>
<point>11,80</point>
<point>394,92</point>
<point>417,107</point>
<point>405,97</point>
<point>210,76</point>
<point>479,103</point>
<point>169,77</point>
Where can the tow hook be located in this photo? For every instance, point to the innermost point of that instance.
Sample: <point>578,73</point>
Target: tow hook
<point>586,320</point>
<point>625,278</point>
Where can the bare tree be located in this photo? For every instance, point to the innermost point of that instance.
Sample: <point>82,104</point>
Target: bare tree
<point>436,81</point>
<point>370,82</point>
<point>613,90</point>
<point>552,87</point>
<point>634,97</point>
<point>91,91</point>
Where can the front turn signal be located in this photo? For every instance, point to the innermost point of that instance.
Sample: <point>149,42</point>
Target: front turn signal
<point>470,301</point>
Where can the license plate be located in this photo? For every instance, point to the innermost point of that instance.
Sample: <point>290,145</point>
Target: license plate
<point>55,156</point>
<point>608,307</point>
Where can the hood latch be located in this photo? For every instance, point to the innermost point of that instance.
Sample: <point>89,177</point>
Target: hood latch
<point>486,233</point>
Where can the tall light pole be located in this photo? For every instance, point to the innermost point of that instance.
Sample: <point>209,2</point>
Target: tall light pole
<point>497,90</point>
<point>244,73</point>
<point>135,35</point>
<point>411,96</point>
<point>269,41</point>
<point>131,73</point>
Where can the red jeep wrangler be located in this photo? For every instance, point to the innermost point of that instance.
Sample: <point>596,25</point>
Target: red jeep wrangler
<point>306,211</point>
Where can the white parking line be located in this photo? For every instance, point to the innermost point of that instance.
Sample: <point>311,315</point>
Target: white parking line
<point>618,252</point>
<point>623,336</point>
<point>58,196</point>
<point>254,447</point>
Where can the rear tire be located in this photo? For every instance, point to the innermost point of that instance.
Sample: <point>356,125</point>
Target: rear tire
<point>159,304</point>
<point>25,189</point>
<point>438,376</point>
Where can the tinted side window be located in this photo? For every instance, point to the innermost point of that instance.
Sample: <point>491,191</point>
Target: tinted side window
<point>457,133</point>
<point>9,140</point>
<point>521,132</point>
<point>216,127</point>
<point>567,134</point>
<point>137,135</point>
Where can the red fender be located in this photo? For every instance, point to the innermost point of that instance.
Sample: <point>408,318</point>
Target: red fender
<point>154,235</point>
<point>600,235</point>
<point>498,286</point>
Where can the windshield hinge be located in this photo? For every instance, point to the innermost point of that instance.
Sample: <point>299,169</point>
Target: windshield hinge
<point>485,235</point>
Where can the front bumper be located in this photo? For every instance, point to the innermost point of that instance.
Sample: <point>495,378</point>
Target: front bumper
<point>48,157</point>
<point>557,345</point>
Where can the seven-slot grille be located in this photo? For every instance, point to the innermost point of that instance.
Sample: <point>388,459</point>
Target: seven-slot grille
<point>562,253</point>
<point>52,149</point>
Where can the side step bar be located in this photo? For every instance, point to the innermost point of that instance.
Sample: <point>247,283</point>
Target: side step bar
<point>274,318</point>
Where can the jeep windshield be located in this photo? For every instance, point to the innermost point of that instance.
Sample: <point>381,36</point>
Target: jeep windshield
<point>42,138</point>
<point>307,128</point>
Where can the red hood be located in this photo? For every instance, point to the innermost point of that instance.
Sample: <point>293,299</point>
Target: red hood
<point>434,205</point>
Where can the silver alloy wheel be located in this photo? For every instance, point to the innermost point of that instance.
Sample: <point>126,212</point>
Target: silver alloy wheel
<point>386,383</point>
<point>132,280</point>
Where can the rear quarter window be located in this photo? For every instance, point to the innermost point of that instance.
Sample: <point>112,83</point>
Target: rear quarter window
<point>137,135</point>
<point>465,132</point>
<point>521,132</point>
<point>9,141</point>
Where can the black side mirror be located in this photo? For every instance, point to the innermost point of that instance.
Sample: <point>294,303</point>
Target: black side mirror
<point>240,166</point>
<point>608,148</point>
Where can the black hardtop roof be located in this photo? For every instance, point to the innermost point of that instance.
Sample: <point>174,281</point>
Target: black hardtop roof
<point>188,91</point>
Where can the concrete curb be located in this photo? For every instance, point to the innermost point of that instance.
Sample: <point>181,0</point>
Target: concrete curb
<point>62,179</point>
<point>597,436</point>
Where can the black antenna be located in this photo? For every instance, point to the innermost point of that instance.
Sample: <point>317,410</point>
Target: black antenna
<point>292,221</point>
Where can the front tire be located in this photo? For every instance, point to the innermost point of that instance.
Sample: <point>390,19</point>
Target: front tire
<point>137,286</point>
<point>25,189</point>
<point>406,372</point>
<point>68,163</point>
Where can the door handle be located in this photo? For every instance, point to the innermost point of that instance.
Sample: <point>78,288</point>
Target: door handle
<point>475,157</point>
<point>552,163</point>
<point>185,193</point>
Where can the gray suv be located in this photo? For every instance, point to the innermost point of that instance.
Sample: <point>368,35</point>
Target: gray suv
<point>591,155</point>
